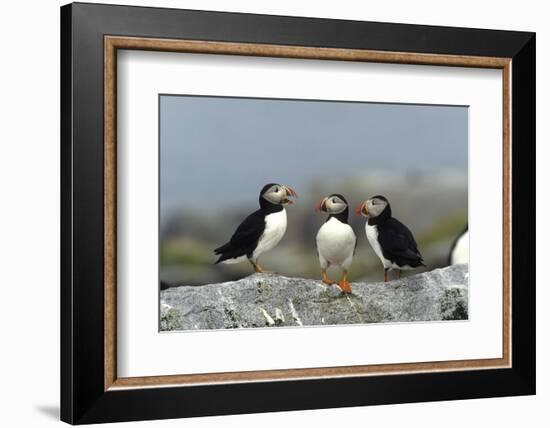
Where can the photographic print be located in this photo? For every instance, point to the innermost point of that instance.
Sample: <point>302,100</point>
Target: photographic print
<point>291,213</point>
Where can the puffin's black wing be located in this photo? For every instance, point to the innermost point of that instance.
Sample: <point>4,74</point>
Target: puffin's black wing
<point>244,240</point>
<point>398,244</point>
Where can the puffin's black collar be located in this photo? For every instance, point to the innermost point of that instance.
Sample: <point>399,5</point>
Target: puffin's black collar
<point>342,217</point>
<point>383,217</point>
<point>269,207</point>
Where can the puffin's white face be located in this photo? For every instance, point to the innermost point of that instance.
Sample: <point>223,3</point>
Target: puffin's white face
<point>372,207</point>
<point>279,195</point>
<point>332,204</point>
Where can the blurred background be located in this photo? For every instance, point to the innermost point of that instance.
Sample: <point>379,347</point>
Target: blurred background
<point>216,153</point>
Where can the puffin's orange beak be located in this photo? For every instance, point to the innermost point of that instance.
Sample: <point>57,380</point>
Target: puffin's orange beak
<point>321,205</point>
<point>362,208</point>
<point>290,192</point>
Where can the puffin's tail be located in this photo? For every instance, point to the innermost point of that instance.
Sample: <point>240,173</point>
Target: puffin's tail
<point>420,259</point>
<point>223,252</point>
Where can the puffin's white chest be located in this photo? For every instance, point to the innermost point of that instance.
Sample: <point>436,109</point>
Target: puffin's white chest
<point>461,251</point>
<point>275,228</point>
<point>372,236</point>
<point>336,241</point>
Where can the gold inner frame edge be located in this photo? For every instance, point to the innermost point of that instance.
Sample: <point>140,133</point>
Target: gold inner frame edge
<point>113,43</point>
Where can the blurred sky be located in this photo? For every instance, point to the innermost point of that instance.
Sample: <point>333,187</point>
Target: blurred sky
<point>216,151</point>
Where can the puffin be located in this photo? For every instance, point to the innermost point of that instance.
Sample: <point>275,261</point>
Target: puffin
<point>390,239</point>
<point>262,230</point>
<point>460,250</point>
<point>336,240</point>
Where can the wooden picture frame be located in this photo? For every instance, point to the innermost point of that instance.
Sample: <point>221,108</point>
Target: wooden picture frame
<point>91,390</point>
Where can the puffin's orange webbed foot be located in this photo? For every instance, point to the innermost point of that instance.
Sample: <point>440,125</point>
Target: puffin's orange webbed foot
<point>345,286</point>
<point>257,267</point>
<point>326,279</point>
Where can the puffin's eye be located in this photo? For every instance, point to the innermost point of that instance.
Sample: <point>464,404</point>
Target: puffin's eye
<point>276,190</point>
<point>333,201</point>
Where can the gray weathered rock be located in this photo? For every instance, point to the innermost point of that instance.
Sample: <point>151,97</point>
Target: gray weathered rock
<point>272,300</point>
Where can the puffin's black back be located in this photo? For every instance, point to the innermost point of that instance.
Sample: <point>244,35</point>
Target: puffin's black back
<point>398,243</point>
<point>245,239</point>
<point>396,240</point>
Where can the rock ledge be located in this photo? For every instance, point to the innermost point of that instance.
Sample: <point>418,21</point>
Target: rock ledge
<point>272,300</point>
